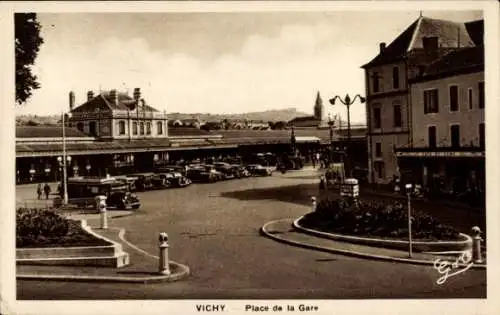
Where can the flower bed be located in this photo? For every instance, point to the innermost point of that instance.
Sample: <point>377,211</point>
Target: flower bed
<point>45,228</point>
<point>375,219</point>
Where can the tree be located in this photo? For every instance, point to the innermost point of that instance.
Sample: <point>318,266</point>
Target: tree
<point>27,41</point>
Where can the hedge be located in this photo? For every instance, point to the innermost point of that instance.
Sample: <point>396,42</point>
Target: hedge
<point>373,218</point>
<point>45,228</point>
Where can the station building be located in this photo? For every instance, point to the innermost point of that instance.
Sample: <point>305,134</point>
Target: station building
<point>114,133</point>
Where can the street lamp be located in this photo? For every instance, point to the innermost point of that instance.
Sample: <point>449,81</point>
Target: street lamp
<point>409,190</point>
<point>347,101</point>
<point>64,158</point>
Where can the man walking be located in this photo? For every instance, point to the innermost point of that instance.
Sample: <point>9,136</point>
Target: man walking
<point>39,191</point>
<point>46,189</point>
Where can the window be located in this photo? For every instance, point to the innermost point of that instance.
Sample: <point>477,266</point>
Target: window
<point>480,87</point>
<point>121,127</point>
<point>134,127</point>
<point>453,98</point>
<point>481,135</point>
<point>159,127</point>
<point>432,136</point>
<point>455,136</point>
<point>376,82</point>
<point>379,169</point>
<point>469,97</point>
<point>142,128</point>
<point>92,128</point>
<point>397,116</point>
<point>79,126</point>
<point>395,78</point>
<point>148,127</point>
<point>377,122</point>
<point>431,101</point>
<point>378,149</point>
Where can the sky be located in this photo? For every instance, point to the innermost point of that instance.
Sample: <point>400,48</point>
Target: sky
<point>232,62</point>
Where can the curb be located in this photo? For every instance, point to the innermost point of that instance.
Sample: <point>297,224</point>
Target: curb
<point>348,252</point>
<point>364,241</point>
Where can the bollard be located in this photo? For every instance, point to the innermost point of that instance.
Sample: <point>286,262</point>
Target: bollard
<point>314,204</point>
<point>101,207</point>
<point>476,245</point>
<point>163,268</point>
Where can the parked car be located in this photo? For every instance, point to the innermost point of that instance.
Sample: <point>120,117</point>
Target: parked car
<point>129,180</point>
<point>160,181</point>
<point>172,168</point>
<point>259,170</point>
<point>200,173</point>
<point>226,170</point>
<point>240,171</point>
<point>170,179</point>
<point>83,190</point>
<point>144,181</point>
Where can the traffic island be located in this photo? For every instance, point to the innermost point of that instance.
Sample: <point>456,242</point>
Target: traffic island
<point>284,232</point>
<point>115,261</point>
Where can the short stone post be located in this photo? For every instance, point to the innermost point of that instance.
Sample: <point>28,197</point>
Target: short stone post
<point>163,268</point>
<point>314,204</point>
<point>101,207</point>
<point>322,182</point>
<point>476,245</point>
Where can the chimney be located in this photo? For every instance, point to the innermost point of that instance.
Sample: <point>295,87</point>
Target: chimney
<point>137,94</point>
<point>113,95</point>
<point>430,43</point>
<point>90,95</point>
<point>71,100</point>
<point>382,47</point>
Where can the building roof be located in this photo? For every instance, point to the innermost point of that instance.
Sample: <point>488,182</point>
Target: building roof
<point>476,31</point>
<point>48,132</point>
<point>450,34</point>
<point>464,60</point>
<point>103,102</point>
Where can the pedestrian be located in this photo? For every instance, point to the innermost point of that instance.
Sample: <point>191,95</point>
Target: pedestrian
<point>39,191</point>
<point>46,189</point>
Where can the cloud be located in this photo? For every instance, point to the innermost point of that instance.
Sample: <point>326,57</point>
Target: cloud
<point>268,72</point>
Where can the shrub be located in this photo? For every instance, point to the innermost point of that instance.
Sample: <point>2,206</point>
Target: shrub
<point>43,227</point>
<point>372,218</point>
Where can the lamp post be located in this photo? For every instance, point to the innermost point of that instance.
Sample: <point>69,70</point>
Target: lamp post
<point>409,189</point>
<point>347,101</point>
<point>64,158</point>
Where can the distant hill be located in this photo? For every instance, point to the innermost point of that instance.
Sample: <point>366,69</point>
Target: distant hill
<point>34,120</point>
<point>265,116</point>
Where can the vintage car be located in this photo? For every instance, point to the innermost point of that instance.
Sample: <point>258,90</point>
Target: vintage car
<point>240,171</point>
<point>83,190</point>
<point>172,168</point>
<point>226,170</point>
<point>144,181</point>
<point>129,180</point>
<point>170,180</point>
<point>203,173</point>
<point>259,170</point>
<point>160,181</point>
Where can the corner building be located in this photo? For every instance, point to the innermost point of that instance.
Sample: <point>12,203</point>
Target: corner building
<point>387,76</point>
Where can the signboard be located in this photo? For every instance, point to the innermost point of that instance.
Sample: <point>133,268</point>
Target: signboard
<point>349,188</point>
<point>453,154</point>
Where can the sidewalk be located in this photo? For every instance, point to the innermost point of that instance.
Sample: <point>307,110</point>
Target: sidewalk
<point>283,231</point>
<point>142,269</point>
